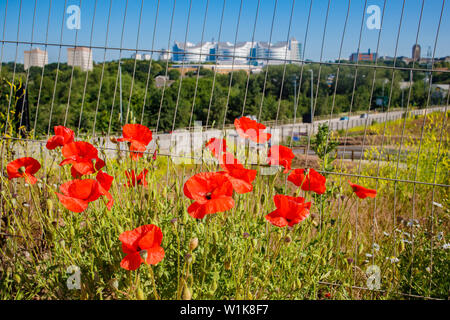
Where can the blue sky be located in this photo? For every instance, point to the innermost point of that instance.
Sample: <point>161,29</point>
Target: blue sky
<point>22,28</point>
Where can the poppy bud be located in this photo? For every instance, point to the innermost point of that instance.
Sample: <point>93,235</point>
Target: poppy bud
<point>114,284</point>
<point>287,239</point>
<point>188,258</point>
<point>113,140</point>
<point>140,294</point>
<point>254,242</point>
<point>349,235</point>
<point>187,294</point>
<point>299,284</point>
<point>402,246</point>
<point>17,278</point>
<point>193,244</point>
<point>143,254</point>
<point>360,248</point>
<point>227,264</point>
<point>50,207</point>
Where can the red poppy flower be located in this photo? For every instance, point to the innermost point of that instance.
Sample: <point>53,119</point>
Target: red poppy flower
<point>105,181</point>
<point>290,210</point>
<point>313,181</point>
<point>138,136</point>
<point>142,244</point>
<point>23,167</point>
<point>362,192</point>
<point>62,137</point>
<point>217,146</point>
<point>81,155</point>
<point>76,194</point>
<point>212,193</point>
<point>248,128</point>
<point>133,180</point>
<point>281,155</point>
<point>240,178</point>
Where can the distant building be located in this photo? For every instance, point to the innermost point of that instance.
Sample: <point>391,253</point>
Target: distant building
<point>367,56</point>
<point>415,52</point>
<point>35,58</point>
<point>146,56</point>
<point>189,52</point>
<point>280,52</point>
<point>136,56</point>
<point>80,57</point>
<point>240,53</point>
<point>165,55</point>
<point>161,80</point>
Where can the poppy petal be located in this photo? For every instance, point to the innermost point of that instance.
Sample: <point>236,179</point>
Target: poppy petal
<point>131,261</point>
<point>72,204</point>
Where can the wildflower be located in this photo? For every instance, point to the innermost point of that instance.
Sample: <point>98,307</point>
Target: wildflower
<point>394,259</point>
<point>240,178</point>
<point>216,146</point>
<point>23,168</point>
<point>446,246</point>
<point>139,136</point>
<point>328,295</point>
<point>144,241</point>
<point>386,234</point>
<point>376,246</point>
<point>155,153</point>
<point>62,137</point>
<point>76,194</point>
<point>251,129</point>
<point>281,155</point>
<point>105,181</point>
<point>212,193</point>
<point>245,235</point>
<point>133,180</point>
<point>308,180</point>
<point>290,210</point>
<point>440,236</point>
<point>362,192</point>
<point>349,260</point>
<point>81,155</point>
<point>437,204</point>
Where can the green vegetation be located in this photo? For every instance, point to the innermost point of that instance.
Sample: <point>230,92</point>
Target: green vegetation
<point>70,94</point>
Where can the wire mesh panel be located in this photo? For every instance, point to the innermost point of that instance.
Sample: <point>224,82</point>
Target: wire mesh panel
<point>352,93</point>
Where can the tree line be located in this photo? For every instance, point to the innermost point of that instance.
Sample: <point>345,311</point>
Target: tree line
<point>59,94</point>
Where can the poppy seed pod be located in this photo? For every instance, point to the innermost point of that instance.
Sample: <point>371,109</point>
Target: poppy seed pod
<point>193,244</point>
<point>143,254</point>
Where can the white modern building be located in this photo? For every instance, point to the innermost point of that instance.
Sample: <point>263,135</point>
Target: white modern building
<point>240,53</point>
<point>80,57</point>
<point>35,58</point>
<point>278,53</point>
<point>190,52</point>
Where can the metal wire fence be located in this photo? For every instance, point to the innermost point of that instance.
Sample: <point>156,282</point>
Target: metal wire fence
<point>350,97</point>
